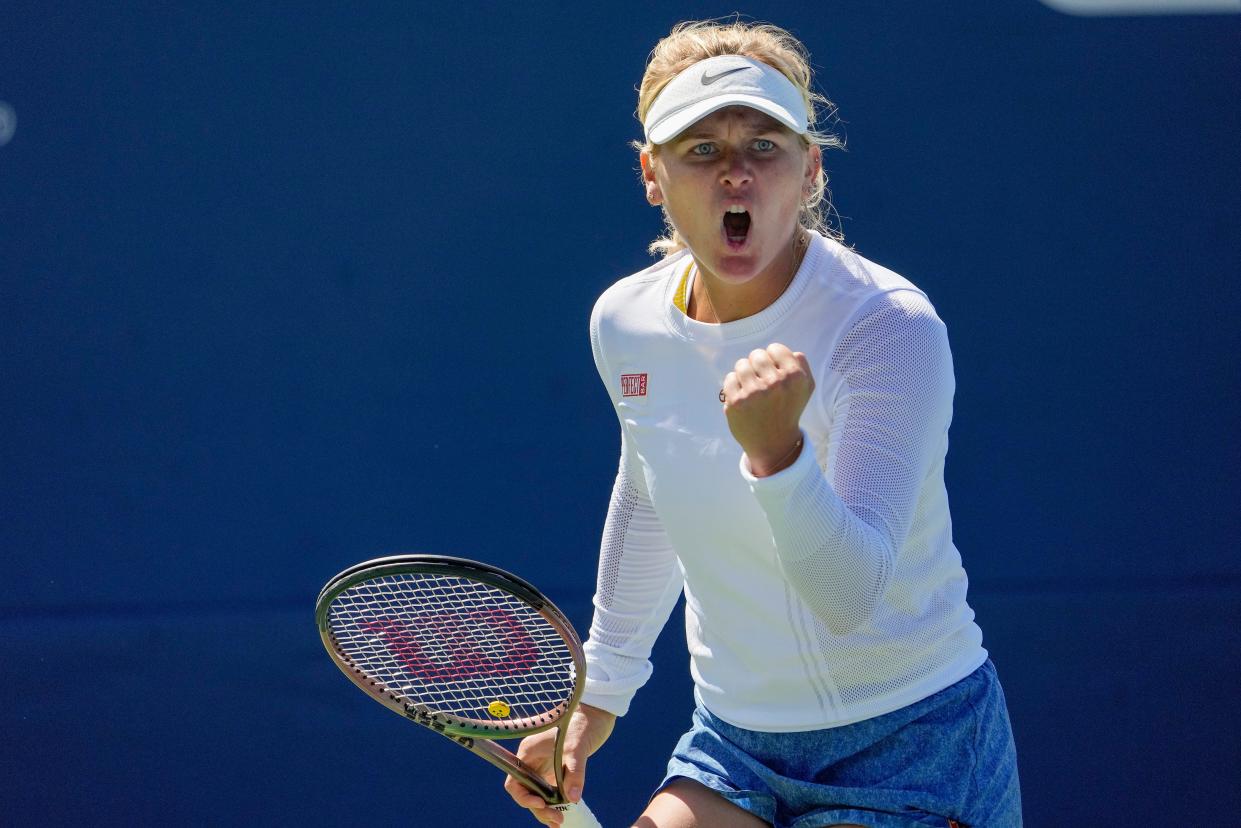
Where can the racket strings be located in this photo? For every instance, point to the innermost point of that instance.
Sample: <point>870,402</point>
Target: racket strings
<point>456,646</point>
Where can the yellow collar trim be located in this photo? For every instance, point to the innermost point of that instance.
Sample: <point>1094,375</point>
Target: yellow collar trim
<point>680,299</point>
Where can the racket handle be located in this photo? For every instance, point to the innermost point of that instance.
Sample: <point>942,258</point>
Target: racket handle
<point>579,816</point>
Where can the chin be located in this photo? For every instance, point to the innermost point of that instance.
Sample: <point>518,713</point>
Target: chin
<point>738,264</point>
<point>736,270</point>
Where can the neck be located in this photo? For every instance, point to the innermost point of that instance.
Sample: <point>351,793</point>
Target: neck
<point>715,301</point>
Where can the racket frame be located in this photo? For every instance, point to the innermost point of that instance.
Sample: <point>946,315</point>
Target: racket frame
<point>475,736</point>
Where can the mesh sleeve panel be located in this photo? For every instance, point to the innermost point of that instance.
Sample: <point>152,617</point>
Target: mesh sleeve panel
<point>638,585</point>
<point>838,540</point>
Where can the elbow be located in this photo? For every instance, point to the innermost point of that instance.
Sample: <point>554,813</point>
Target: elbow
<point>850,604</point>
<point>846,623</point>
<point>841,625</point>
<point>844,579</point>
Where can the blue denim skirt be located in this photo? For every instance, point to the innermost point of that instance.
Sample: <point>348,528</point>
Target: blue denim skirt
<point>949,757</point>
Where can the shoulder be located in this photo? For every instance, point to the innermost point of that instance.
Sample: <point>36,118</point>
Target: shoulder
<point>637,298</point>
<point>901,309</point>
<point>632,306</point>
<point>880,318</point>
<point>860,288</point>
<point>849,301</point>
<point>895,335</point>
<point>844,269</point>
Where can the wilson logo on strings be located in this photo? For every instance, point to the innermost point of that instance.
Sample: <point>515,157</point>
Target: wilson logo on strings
<point>633,385</point>
<point>454,646</point>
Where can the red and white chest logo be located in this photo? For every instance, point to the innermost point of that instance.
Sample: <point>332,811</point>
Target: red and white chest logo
<point>633,385</point>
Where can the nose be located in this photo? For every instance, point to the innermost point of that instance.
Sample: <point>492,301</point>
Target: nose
<point>736,170</point>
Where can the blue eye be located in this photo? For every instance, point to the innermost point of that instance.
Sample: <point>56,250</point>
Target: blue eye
<point>764,145</point>
<point>702,149</point>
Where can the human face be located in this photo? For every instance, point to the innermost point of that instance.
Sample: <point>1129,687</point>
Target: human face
<point>733,185</point>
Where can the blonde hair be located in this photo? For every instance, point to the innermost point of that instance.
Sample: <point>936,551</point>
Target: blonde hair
<point>696,40</point>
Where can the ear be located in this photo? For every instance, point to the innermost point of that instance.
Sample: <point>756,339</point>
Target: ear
<point>654,195</point>
<point>814,165</point>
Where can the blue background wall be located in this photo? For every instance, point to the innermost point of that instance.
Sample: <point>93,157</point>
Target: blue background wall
<point>284,288</point>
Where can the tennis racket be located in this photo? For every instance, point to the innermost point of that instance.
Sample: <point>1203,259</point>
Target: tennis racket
<point>465,649</point>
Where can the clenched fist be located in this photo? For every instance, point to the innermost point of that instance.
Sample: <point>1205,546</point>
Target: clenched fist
<point>764,396</point>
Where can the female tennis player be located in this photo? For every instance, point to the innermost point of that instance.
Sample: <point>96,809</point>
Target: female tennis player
<point>784,407</point>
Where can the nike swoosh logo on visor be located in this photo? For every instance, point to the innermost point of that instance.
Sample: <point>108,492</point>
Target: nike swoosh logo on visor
<point>707,80</point>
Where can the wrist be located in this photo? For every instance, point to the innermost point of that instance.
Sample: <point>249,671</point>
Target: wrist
<point>596,713</point>
<point>765,467</point>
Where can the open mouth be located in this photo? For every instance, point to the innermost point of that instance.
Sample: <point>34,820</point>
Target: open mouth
<point>736,226</point>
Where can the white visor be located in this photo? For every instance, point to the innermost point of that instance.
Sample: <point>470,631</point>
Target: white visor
<point>714,83</point>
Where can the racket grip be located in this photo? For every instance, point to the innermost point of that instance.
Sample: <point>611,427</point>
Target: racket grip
<point>579,816</point>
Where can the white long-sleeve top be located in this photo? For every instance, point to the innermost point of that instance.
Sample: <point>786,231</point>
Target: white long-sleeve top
<point>822,595</point>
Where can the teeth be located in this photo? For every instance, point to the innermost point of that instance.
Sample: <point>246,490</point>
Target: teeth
<point>736,208</point>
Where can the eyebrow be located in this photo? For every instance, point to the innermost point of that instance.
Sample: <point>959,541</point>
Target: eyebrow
<point>762,129</point>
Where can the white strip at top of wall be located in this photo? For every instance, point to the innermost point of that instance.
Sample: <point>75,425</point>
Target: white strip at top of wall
<point>1123,7</point>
